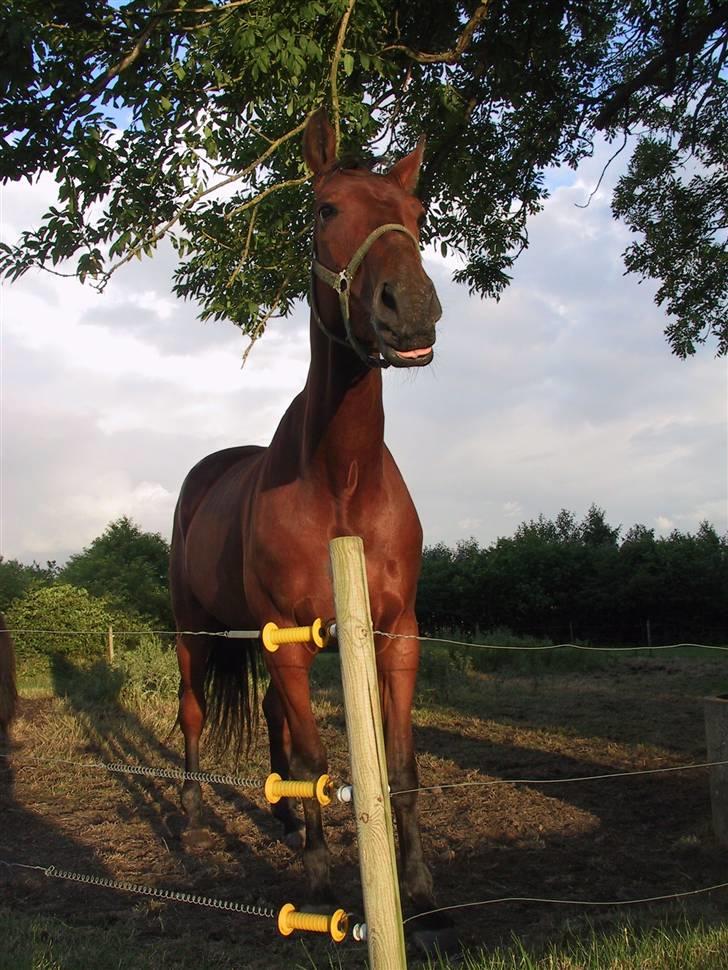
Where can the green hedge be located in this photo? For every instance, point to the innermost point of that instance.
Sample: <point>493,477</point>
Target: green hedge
<point>66,620</point>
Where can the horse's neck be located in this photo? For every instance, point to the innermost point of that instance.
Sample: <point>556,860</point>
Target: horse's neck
<point>343,415</point>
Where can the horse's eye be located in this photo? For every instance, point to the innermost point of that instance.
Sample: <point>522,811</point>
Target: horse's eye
<point>326,212</point>
<point>421,220</point>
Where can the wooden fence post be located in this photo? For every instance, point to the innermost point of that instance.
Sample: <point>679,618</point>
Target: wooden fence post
<point>716,733</point>
<point>110,644</point>
<point>372,808</point>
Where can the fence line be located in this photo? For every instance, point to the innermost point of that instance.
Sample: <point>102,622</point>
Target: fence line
<point>254,634</point>
<point>172,895</point>
<point>236,781</point>
<point>122,768</point>
<point>551,646</point>
<point>267,912</point>
<point>232,634</point>
<point>560,781</point>
<point>571,902</point>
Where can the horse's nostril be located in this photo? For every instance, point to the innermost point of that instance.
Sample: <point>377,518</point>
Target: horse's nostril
<point>388,298</point>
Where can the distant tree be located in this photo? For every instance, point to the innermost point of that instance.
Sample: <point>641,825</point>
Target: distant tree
<point>693,573</point>
<point>128,568</point>
<point>16,578</point>
<point>596,531</point>
<point>564,578</point>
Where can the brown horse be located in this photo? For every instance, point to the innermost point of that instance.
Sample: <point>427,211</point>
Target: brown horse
<point>252,525</point>
<point>8,690</point>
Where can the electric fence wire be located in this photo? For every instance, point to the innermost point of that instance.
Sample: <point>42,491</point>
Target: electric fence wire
<point>571,902</point>
<point>171,895</point>
<point>237,781</point>
<point>124,768</point>
<point>253,634</point>
<point>543,647</point>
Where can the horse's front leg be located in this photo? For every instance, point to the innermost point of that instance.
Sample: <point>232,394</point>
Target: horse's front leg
<point>397,662</point>
<point>289,668</point>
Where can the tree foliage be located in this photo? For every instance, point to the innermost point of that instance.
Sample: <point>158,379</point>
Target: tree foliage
<point>128,568</point>
<point>562,579</point>
<point>61,619</point>
<point>180,119</point>
<point>16,578</point>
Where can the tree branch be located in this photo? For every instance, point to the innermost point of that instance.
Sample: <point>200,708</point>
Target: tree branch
<point>261,324</point>
<point>446,57</point>
<point>257,199</point>
<point>690,43</point>
<point>193,199</point>
<point>246,250</point>
<point>334,71</point>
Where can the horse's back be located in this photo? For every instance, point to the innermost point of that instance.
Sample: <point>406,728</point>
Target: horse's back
<point>204,476</point>
<point>206,552</point>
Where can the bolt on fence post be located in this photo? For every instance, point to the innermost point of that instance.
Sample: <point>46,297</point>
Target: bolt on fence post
<point>372,808</point>
<point>110,644</point>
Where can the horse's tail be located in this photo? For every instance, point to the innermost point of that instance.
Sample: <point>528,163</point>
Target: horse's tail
<point>8,689</point>
<point>231,690</point>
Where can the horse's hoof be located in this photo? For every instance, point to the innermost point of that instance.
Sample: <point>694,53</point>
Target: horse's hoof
<point>294,840</point>
<point>197,838</point>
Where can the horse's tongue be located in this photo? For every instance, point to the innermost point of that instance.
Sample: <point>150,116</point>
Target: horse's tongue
<point>411,354</point>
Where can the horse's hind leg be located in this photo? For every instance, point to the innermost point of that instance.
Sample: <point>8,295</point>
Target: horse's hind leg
<point>308,757</point>
<point>192,658</point>
<point>279,740</point>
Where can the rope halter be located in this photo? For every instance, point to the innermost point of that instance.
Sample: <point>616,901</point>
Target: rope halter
<point>341,281</point>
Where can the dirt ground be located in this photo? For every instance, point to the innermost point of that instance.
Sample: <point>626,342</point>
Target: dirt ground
<point>601,840</point>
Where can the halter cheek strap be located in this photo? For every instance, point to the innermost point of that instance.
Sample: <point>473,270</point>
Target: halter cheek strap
<point>340,282</point>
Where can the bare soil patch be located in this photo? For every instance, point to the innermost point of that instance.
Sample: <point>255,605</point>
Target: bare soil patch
<point>601,840</point>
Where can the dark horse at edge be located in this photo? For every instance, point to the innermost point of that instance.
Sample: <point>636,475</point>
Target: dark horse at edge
<point>8,689</point>
<point>252,525</point>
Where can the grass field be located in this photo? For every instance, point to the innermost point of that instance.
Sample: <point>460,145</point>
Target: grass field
<point>480,716</point>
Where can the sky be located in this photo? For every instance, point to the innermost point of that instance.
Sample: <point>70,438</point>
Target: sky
<point>561,395</point>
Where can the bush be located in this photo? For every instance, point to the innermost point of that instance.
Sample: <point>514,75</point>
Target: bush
<point>150,670</point>
<point>65,620</point>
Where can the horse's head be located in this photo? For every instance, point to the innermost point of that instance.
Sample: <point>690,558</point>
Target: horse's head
<point>366,248</point>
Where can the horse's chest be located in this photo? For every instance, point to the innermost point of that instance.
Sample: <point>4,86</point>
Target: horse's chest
<point>294,525</point>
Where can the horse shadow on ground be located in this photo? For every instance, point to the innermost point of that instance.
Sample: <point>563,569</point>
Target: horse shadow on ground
<point>610,840</point>
<point>113,733</point>
<point>30,842</point>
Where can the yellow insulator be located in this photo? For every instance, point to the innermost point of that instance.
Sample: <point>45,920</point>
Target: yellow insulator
<point>273,636</point>
<point>276,788</point>
<point>336,925</point>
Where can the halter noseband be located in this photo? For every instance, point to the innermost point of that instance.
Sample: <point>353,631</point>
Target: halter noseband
<point>340,282</point>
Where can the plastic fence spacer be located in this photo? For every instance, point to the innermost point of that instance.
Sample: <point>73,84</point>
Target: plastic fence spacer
<point>359,932</point>
<point>276,788</point>
<point>273,636</point>
<point>335,925</point>
<point>345,793</point>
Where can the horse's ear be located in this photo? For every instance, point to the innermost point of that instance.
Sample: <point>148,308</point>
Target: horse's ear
<point>319,142</point>
<point>407,169</point>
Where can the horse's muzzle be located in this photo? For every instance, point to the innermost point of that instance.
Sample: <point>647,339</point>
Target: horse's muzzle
<point>404,321</point>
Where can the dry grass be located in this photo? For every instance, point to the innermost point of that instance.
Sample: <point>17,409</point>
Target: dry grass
<point>608,840</point>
